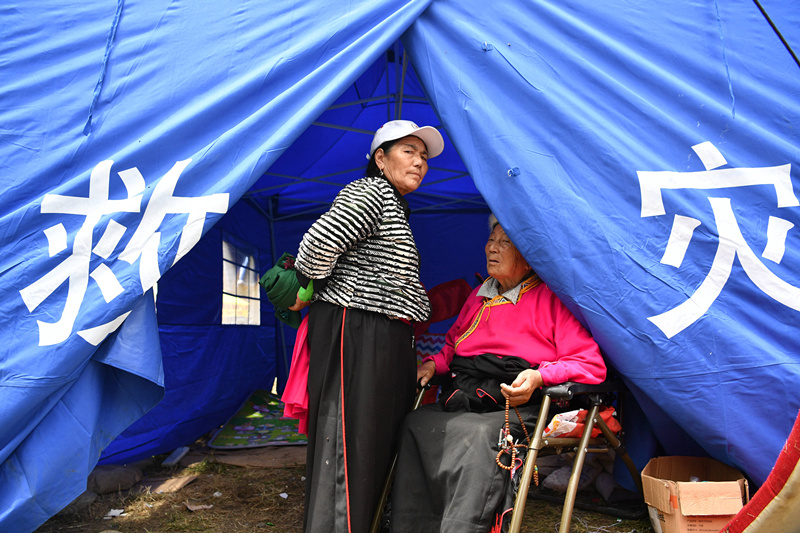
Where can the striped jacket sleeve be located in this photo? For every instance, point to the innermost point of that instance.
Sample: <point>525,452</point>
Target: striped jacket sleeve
<point>354,216</point>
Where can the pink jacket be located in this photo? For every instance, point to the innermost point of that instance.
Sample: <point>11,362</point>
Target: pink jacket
<point>538,328</point>
<point>295,393</point>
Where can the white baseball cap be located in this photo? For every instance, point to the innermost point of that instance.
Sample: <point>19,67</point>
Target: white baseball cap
<point>397,129</point>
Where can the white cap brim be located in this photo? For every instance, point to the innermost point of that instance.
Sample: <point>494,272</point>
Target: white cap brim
<point>397,129</point>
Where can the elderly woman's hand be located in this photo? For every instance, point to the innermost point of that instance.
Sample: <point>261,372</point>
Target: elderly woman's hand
<point>520,391</point>
<point>425,372</point>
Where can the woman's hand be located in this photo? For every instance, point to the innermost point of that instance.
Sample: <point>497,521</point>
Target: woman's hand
<point>425,372</point>
<point>298,304</point>
<point>520,391</point>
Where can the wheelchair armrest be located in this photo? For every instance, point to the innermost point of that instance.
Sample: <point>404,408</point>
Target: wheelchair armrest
<point>440,379</point>
<point>568,389</point>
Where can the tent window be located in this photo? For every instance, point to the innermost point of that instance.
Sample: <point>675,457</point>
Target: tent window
<point>240,295</point>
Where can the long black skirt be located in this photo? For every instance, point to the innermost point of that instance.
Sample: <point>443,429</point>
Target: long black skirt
<point>447,477</point>
<point>353,422</point>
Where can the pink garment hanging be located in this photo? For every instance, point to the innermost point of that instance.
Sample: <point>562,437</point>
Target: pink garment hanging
<point>295,394</point>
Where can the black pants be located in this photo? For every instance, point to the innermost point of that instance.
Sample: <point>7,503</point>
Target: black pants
<point>447,479</point>
<point>353,422</point>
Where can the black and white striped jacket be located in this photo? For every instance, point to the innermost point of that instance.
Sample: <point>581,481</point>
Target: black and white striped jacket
<point>365,248</point>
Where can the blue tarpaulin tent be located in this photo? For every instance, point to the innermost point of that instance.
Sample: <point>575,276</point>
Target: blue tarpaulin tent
<point>643,158</point>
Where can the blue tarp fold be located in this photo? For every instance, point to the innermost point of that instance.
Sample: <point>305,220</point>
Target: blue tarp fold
<point>644,160</point>
<point>122,381</point>
<point>128,130</point>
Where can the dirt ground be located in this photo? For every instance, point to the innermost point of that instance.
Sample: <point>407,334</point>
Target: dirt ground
<point>229,493</point>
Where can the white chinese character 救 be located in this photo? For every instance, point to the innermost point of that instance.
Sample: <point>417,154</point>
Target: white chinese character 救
<point>143,245</point>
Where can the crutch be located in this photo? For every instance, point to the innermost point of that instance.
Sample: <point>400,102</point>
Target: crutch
<point>387,485</point>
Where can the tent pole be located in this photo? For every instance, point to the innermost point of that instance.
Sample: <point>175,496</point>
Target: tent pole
<point>402,87</point>
<point>388,90</point>
<point>345,128</point>
<point>281,337</point>
<point>367,101</point>
<point>397,80</point>
<point>777,32</point>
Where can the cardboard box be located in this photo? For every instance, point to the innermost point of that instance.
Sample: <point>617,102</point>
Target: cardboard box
<point>679,505</point>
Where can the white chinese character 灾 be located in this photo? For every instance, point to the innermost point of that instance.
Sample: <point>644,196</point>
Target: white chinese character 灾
<point>731,241</point>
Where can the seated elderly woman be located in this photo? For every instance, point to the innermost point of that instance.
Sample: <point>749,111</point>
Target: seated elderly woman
<point>512,336</point>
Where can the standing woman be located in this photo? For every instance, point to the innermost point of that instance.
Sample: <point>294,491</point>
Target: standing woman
<point>358,266</point>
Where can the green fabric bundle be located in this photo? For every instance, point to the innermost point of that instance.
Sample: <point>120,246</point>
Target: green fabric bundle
<point>281,286</point>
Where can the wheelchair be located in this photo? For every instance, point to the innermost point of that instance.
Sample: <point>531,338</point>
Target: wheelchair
<point>594,397</point>
<point>597,396</point>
